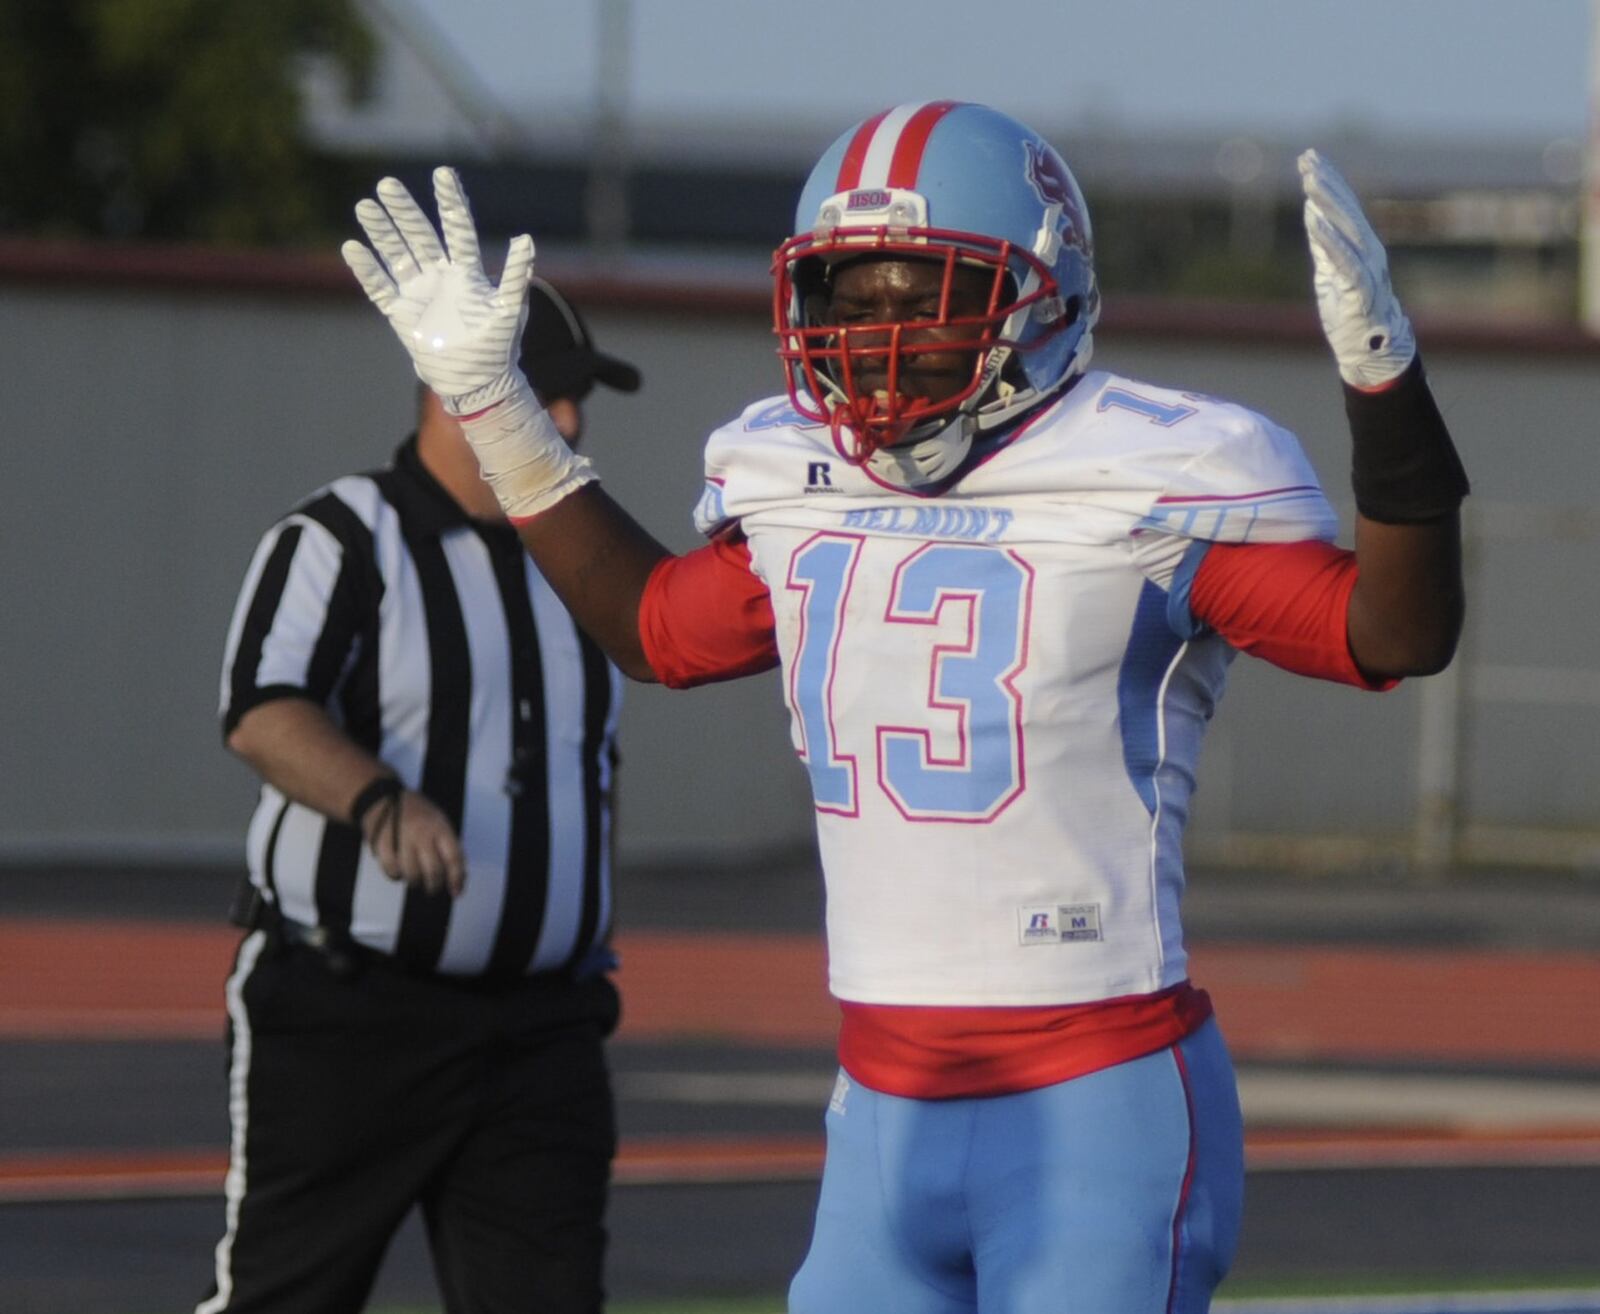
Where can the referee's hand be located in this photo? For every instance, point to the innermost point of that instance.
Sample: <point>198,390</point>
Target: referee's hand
<point>414,842</point>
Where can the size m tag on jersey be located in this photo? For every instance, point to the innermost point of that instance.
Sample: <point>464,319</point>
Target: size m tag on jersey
<point>1057,923</point>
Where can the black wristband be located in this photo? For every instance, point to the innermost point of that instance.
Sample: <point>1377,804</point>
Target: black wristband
<point>383,787</point>
<point>1403,466</point>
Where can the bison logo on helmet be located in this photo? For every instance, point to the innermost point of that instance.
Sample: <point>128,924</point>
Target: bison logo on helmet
<point>1053,185</point>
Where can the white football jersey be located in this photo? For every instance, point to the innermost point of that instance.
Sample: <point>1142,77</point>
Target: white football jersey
<point>998,691</point>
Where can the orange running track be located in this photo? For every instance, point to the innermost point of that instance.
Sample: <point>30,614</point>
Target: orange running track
<point>148,980</point>
<point>123,981</point>
<point>34,1177</point>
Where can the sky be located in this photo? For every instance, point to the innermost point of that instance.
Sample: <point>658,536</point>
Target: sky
<point>1453,69</point>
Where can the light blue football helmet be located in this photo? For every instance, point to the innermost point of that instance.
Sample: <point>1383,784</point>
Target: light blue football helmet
<point>958,184</point>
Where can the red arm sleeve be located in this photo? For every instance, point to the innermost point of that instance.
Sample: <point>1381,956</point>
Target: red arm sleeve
<point>706,616</point>
<point>1284,602</point>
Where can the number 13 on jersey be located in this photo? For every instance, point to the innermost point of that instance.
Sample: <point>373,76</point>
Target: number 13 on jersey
<point>959,616</point>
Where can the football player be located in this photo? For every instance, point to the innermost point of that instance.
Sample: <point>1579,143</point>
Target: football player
<point>1004,590</point>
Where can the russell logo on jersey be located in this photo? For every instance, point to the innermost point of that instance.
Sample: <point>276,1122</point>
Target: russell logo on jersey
<point>1058,923</point>
<point>819,478</point>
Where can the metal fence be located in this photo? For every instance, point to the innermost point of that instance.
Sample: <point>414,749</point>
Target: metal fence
<point>163,408</point>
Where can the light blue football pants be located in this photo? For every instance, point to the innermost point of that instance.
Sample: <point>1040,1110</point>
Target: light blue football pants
<point>1114,1193</point>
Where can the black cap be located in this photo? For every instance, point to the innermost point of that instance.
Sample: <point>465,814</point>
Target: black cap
<point>559,356</point>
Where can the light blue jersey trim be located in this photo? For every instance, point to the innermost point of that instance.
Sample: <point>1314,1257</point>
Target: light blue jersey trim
<point>1152,645</point>
<point>1179,615</point>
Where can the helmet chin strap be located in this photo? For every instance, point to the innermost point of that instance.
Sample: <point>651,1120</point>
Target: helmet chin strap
<point>925,461</point>
<point>922,461</point>
<point>938,451</point>
<point>926,458</point>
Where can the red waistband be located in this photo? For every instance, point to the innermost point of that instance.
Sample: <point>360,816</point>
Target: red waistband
<point>945,1052</point>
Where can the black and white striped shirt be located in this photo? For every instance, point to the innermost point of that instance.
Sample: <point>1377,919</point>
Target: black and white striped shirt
<point>432,640</point>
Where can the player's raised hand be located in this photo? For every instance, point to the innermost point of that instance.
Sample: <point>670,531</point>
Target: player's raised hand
<point>461,330</point>
<point>464,334</point>
<point>1369,333</point>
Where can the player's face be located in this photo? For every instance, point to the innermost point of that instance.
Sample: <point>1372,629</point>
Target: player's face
<point>889,291</point>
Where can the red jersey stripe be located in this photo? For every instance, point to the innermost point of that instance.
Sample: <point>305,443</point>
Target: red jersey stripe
<point>1241,497</point>
<point>949,1053</point>
<point>1180,1214</point>
<point>913,141</point>
<point>855,154</point>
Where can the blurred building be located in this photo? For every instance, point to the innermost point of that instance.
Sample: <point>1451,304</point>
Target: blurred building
<point>1489,225</point>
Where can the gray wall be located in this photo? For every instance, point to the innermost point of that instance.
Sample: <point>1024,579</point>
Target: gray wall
<point>155,429</point>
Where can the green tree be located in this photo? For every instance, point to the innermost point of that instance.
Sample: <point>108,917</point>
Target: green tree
<point>167,118</point>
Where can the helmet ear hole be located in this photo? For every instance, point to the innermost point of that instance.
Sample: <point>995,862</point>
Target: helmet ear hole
<point>811,281</point>
<point>1071,311</point>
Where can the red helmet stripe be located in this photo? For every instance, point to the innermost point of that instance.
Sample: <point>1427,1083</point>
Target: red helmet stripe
<point>914,140</point>
<point>855,154</point>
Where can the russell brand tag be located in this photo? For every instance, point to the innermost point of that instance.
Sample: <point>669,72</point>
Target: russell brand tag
<point>1057,923</point>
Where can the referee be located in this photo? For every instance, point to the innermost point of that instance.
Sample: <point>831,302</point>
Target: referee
<point>418,1008</point>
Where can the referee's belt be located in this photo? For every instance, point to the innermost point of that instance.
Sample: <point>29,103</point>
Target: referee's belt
<point>347,957</point>
<point>344,955</point>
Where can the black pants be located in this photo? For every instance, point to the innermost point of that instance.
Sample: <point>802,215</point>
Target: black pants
<point>354,1097</point>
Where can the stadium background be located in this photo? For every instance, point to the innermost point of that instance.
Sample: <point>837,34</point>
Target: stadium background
<point>1394,899</point>
<point>204,391</point>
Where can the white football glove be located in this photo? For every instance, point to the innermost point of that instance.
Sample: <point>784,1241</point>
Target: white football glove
<point>463,334</point>
<point>1369,333</point>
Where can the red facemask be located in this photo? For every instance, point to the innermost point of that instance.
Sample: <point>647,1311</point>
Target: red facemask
<point>825,361</point>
